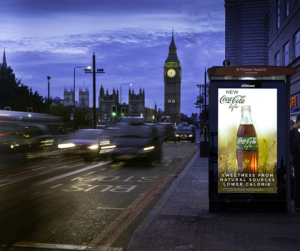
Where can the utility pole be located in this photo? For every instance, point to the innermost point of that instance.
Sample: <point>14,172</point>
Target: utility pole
<point>204,145</point>
<point>48,94</point>
<point>205,125</point>
<point>94,91</point>
<point>94,87</point>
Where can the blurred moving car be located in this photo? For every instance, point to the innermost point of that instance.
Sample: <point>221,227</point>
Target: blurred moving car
<point>25,133</point>
<point>101,126</point>
<point>166,132</point>
<point>88,143</point>
<point>185,133</point>
<point>135,139</point>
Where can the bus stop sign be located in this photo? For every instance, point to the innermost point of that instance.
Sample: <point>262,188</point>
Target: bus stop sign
<point>226,63</point>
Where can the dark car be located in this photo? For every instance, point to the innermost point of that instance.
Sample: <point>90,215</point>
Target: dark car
<point>88,143</point>
<point>135,139</point>
<point>166,132</point>
<point>26,135</point>
<point>185,133</point>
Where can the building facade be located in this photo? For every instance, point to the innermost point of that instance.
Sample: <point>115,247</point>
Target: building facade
<point>151,114</point>
<point>68,97</point>
<point>106,103</point>
<point>84,98</point>
<point>246,32</point>
<point>136,103</point>
<point>172,84</point>
<point>284,45</point>
<point>110,109</point>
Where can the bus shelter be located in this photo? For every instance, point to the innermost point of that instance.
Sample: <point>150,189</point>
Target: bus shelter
<point>249,161</point>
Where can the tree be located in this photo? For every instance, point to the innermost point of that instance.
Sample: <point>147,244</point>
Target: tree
<point>65,111</point>
<point>200,104</point>
<point>17,95</point>
<point>199,101</point>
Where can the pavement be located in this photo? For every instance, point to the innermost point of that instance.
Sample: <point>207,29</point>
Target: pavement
<point>181,221</point>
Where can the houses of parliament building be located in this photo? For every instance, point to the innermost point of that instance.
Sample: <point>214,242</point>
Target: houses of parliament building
<point>109,103</point>
<point>111,110</point>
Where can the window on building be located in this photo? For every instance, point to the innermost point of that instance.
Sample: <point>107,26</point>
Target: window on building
<point>297,44</point>
<point>286,53</point>
<point>173,101</point>
<point>287,7</point>
<point>277,58</point>
<point>169,101</point>
<point>278,13</point>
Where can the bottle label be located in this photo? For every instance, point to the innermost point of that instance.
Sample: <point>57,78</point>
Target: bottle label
<point>246,143</point>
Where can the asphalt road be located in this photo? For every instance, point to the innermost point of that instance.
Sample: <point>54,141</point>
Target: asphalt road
<point>83,206</point>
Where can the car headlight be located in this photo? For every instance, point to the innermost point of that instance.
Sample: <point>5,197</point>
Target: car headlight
<point>191,135</point>
<point>93,147</point>
<point>177,135</point>
<point>67,145</point>
<point>104,142</point>
<point>108,147</point>
<point>148,148</point>
<point>48,142</point>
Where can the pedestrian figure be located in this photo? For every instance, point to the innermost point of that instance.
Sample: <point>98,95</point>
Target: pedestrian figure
<point>295,152</point>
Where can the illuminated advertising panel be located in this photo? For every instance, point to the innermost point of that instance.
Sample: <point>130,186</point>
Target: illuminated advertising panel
<point>247,140</point>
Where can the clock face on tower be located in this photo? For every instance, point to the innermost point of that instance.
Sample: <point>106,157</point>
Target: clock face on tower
<point>171,73</point>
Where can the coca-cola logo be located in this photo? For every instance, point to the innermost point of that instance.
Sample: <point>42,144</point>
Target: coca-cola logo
<point>246,143</point>
<point>233,101</point>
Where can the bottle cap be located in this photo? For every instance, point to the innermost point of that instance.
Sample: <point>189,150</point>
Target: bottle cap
<point>246,107</point>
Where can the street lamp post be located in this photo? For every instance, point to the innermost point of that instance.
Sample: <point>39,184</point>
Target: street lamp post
<point>199,86</point>
<point>204,145</point>
<point>205,124</point>
<point>88,67</point>
<point>48,93</point>
<point>204,107</point>
<point>94,87</point>
<point>121,92</point>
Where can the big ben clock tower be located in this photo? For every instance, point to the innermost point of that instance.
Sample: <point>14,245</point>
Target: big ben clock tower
<point>172,79</point>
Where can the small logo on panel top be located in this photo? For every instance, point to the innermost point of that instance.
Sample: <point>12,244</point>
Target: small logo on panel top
<point>245,85</point>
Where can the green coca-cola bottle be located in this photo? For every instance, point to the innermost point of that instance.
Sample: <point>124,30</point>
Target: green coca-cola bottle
<point>246,143</point>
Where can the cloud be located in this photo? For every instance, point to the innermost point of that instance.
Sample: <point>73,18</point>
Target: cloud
<point>129,38</point>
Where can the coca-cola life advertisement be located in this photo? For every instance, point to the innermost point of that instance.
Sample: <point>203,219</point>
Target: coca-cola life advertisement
<point>247,140</point>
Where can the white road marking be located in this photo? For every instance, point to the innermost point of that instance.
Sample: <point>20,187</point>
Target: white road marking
<point>89,173</point>
<point>69,174</point>
<point>57,186</point>
<point>64,246</point>
<point>111,208</point>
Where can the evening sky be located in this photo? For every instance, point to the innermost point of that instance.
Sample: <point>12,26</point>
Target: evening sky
<point>129,38</point>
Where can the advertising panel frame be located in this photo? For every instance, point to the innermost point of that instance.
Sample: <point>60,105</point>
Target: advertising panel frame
<point>260,78</point>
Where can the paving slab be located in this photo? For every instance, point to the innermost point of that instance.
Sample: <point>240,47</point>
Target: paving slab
<point>181,221</point>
